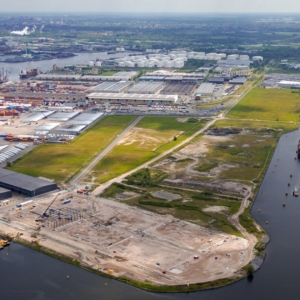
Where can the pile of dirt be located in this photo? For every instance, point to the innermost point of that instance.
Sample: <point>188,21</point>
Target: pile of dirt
<point>223,131</point>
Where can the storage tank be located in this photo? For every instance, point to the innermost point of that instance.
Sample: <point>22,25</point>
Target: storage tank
<point>257,58</point>
<point>169,64</point>
<point>150,64</point>
<point>244,57</point>
<point>130,64</point>
<point>159,64</point>
<point>91,63</point>
<point>223,55</point>
<point>141,64</point>
<point>98,63</point>
<point>121,64</point>
<point>233,56</point>
<point>178,64</point>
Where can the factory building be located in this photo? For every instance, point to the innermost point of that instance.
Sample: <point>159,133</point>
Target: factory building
<point>132,99</point>
<point>179,88</point>
<point>4,194</point>
<point>238,80</point>
<point>57,77</point>
<point>112,87</point>
<point>24,184</point>
<point>217,80</point>
<point>146,87</point>
<point>206,89</point>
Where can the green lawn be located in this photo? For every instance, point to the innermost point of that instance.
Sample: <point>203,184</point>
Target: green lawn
<point>268,104</point>
<point>108,73</point>
<point>160,132</point>
<point>59,161</point>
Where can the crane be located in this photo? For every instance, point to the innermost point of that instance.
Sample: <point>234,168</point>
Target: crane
<point>45,212</point>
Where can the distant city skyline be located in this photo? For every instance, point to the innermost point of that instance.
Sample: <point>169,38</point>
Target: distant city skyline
<point>157,6</point>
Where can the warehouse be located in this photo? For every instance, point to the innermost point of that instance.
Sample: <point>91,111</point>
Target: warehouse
<point>24,184</point>
<point>36,116</point>
<point>63,116</point>
<point>86,118</point>
<point>145,87</point>
<point>112,87</point>
<point>289,84</point>
<point>217,80</point>
<point>206,89</point>
<point>187,89</point>
<point>238,80</point>
<point>132,99</point>
<point>57,77</point>
<point>4,194</point>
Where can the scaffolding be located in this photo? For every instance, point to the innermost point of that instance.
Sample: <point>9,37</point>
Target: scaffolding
<point>62,217</point>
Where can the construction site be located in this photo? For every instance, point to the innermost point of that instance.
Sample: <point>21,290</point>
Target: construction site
<point>126,241</point>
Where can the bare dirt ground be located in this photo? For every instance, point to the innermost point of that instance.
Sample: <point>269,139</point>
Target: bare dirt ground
<point>146,138</point>
<point>134,243</point>
<point>218,209</point>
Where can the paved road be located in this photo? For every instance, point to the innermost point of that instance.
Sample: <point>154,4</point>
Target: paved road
<point>77,178</point>
<point>120,178</point>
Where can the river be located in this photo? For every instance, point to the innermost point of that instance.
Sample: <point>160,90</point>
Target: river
<point>47,65</point>
<point>27,274</point>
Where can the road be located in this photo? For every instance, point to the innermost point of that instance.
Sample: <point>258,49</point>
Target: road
<point>120,178</point>
<point>83,172</point>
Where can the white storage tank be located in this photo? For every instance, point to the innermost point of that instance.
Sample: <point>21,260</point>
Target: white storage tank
<point>169,64</point>
<point>121,64</point>
<point>91,63</point>
<point>233,56</point>
<point>130,64</point>
<point>98,63</point>
<point>257,58</point>
<point>159,64</point>
<point>141,64</point>
<point>178,64</point>
<point>244,57</point>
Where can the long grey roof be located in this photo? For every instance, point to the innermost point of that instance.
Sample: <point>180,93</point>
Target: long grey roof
<point>22,181</point>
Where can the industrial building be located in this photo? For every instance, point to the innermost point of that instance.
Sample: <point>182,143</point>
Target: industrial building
<point>287,81</point>
<point>24,184</point>
<point>57,77</point>
<point>36,116</point>
<point>206,89</point>
<point>146,87</point>
<point>112,87</point>
<point>132,99</point>
<point>217,80</point>
<point>63,116</point>
<point>238,80</point>
<point>187,89</point>
<point>4,194</point>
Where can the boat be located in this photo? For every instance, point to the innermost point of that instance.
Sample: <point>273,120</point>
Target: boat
<point>29,73</point>
<point>3,77</point>
<point>295,193</point>
<point>112,52</point>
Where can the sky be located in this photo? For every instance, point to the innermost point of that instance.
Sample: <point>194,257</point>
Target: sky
<point>158,6</point>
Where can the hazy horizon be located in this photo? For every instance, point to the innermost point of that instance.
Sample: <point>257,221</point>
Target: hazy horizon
<point>153,6</point>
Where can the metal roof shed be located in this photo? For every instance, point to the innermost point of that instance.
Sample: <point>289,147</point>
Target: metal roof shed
<point>25,184</point>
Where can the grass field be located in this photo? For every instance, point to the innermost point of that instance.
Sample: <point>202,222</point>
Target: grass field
<point>150,137</point>
<point>268,104</point>
<point>60,161</point>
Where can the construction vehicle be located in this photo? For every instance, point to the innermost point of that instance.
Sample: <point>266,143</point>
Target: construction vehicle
<point>45,212</point>
<point>4,243</point>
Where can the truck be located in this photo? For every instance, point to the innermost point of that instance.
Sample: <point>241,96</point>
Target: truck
<point>24,203</point>
<point>66,201</point>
